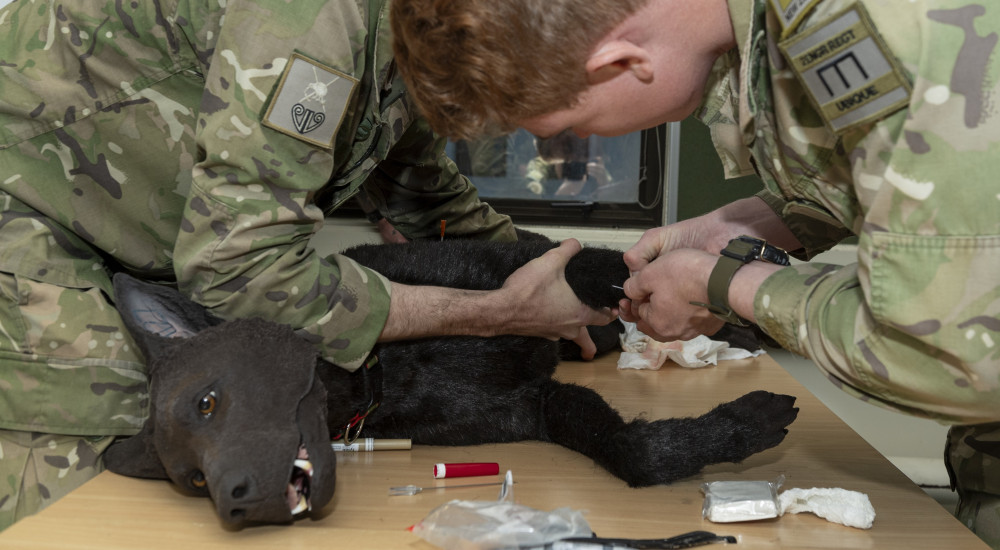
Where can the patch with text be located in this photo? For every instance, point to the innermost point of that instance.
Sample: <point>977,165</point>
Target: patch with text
<point>850,74</point>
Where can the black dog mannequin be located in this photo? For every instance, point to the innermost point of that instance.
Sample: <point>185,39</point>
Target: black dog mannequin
<point>244,411</point>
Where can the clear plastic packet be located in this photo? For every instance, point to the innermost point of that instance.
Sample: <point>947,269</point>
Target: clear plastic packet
<point>729,501</point>
<point>465,524</point>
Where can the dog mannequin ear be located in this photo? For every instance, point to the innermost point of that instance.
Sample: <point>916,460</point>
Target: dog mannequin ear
<point>136,456</point>
<point>155,314</point>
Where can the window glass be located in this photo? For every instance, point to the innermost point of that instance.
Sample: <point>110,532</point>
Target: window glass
<point>564,167</point>
<point>567,180</point>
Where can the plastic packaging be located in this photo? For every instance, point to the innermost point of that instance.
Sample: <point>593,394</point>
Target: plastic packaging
<point>463,524</point>
<point>729,501</point>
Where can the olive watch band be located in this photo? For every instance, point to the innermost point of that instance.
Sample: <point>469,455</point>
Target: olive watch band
<point>739,252</point>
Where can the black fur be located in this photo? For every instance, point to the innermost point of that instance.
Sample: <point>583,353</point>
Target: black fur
<point>436,391</point>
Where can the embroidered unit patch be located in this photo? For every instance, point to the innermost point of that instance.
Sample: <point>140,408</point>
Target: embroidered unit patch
<point>791,12</point>
<point>850,74</point>
<point>310,101</point>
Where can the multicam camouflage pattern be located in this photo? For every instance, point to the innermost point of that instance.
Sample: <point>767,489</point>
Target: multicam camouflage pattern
<point>146,153</point>
<point>915,324</point>
<point>973,459</point>
<point>40,468</point>
<point>131,139</point>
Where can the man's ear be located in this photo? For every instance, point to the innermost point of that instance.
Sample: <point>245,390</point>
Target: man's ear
<point>154,314</point>
<point>136,456</point>
<point>616,57</point>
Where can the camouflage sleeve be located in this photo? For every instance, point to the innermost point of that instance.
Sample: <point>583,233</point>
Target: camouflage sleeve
<point>243,247</point>
<point>417,186</point>
<point>813,226</point>
<point>916,323</point>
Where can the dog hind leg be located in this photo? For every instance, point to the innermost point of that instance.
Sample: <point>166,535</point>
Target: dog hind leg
<point>646,453</point>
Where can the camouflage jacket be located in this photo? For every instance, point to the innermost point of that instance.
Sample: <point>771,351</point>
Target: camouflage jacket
<point>915,323</point>
<point>190,141</point>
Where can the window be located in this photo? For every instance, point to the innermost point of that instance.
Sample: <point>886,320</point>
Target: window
<point>618,182</point>
<point>625,182</point>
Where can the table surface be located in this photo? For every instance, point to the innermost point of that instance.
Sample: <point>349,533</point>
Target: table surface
<point>820,450</point>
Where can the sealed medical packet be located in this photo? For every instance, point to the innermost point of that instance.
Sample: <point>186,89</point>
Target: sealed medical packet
<point>729,501</point>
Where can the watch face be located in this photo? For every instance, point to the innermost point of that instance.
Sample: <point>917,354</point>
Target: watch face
<point>748,249</point>
<point>743,248</point>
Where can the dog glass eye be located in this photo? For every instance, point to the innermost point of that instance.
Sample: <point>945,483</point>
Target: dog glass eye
<point>198,479</point>
<point>206,405</point>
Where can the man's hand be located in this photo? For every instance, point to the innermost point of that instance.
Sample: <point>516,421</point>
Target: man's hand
<point>656,242</point>
<point>543,304</point>
<point>670,267</point>
<point>660,294</point>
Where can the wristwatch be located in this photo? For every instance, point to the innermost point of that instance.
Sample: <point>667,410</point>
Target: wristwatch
<point>739,252</point>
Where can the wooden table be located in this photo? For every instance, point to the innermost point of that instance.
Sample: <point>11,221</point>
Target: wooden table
<point>820,451</point>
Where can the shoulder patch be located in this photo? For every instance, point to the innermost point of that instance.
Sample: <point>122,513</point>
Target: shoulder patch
<point>850,74</point>
<point>791,12</point>
<point>309,101</point>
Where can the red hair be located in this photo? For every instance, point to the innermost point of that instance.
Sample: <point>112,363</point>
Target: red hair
<point>477,67</point>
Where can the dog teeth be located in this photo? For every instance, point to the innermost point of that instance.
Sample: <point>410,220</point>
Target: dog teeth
<point>298,489</point>
<point>302,505</point>
<point>305,466</point>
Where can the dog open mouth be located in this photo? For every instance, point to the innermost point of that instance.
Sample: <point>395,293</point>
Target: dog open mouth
<point>297,492</point>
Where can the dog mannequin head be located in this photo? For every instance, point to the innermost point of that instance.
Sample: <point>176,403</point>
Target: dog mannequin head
<point>236,410</point>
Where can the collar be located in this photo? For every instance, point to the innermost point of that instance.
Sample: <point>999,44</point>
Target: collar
<point>726,107</point>
<point>371,376</point>
<point>751,39</point>
<point>741,13</point>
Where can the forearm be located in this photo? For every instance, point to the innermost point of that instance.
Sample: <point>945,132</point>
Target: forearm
<point>424,311</point>
<point>744,286</point>
<point>535,300</point>
<point>750,216</point>
<point>711,232</point>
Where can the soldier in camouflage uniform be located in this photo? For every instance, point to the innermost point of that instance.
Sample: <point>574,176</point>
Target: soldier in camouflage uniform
<point>874,118</point>
<point>192,143</point>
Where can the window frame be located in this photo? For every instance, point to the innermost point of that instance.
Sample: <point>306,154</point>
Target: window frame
<point>658,175</point>
<point>657,189</point>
